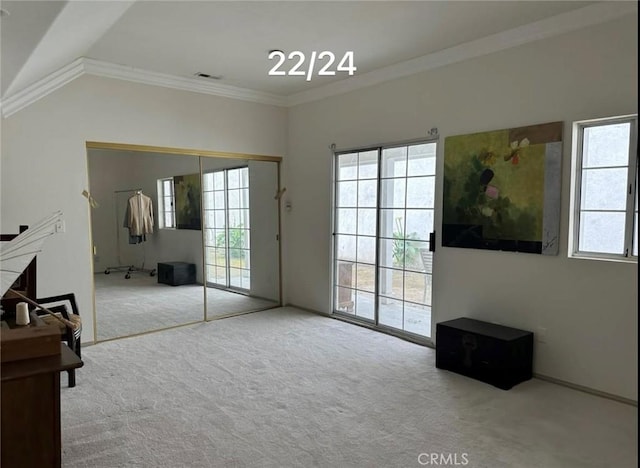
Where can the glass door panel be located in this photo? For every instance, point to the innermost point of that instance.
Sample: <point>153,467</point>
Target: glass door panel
<point>242,235</point>
<point>384,206</point>
<point>406,221</point>
<point>214,189</point>
<point>355,236</point>
<point>226,214</point>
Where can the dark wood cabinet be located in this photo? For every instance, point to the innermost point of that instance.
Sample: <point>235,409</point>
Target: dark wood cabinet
<point>31,421</point>
<point>176,273</point>
<point>30,426</point>
<point>495,354</point>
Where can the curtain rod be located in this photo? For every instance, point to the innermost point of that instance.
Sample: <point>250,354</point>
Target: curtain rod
<point>128,190</point>
<point>432,136</point>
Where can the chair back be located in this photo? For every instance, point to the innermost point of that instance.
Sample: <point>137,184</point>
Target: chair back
<point>427,260</point>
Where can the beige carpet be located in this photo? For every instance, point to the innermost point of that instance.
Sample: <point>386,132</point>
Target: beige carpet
<point>286,388</point>
<point>140,304</point>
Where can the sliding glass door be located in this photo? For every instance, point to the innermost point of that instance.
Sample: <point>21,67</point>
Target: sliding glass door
<point>226,210</point>
<point>355,237</point>
<point>384,205</point>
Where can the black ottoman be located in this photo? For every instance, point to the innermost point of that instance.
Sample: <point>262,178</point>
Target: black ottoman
<point>176,273</point>
<point>495,354</point>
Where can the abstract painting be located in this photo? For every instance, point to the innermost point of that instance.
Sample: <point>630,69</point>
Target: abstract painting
<point>502,189</point>
<point>187,194</point>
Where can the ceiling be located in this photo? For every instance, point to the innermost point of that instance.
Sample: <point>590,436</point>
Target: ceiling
<point>232,39</point>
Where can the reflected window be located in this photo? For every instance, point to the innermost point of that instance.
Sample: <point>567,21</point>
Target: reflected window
<point>166,205</point>
<point>227,229</point>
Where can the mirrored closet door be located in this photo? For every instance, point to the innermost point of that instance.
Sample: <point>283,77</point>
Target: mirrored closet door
<point>134,239</point>
<point>179,238</point>
<point>241,235</point>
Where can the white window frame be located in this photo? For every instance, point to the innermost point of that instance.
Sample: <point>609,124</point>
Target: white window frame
<point>576,189</point>
<point>162,208</point>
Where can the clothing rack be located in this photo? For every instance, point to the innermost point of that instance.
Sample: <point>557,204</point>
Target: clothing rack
<point>122,267</point>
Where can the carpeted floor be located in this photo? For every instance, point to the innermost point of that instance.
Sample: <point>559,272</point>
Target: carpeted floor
<point>140,304</point>
<point>287,388</point>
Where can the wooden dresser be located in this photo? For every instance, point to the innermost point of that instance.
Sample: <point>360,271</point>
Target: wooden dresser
<point>32,359</point>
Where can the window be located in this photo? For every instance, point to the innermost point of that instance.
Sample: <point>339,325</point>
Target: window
<point>227,230</point>
<point>166,207</point>
<point>605,199</point>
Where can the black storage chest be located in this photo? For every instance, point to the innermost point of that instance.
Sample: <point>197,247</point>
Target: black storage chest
<point>176,273</point>
<point>495,354</point>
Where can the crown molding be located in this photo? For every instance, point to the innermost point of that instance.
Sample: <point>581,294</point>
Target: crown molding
<point>197,85</point>
<point>41,88</point>
<point>543,29</point>
<point>75,27</point>
<point>87,66</point>
<point>556,25</point>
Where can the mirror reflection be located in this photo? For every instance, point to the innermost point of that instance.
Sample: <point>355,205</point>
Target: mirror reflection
<point>174,244</point>
<point>240,235</point>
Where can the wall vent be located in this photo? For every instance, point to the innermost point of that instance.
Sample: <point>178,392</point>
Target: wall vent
<point>206,75</point>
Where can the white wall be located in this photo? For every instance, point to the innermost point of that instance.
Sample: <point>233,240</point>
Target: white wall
<point>103,177</point>
<point>44,163</point>
<point>265,256</point>
<point>588,307</point>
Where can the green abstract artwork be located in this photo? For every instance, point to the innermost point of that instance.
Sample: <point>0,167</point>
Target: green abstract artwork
<point>187,198</point>
<point>502,189</point>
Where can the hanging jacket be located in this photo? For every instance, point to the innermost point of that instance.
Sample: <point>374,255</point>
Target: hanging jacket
<point>139,215</point>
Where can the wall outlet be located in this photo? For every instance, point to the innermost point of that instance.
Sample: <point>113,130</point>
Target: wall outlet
<point>541,335</point>
<point>60,227</point>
